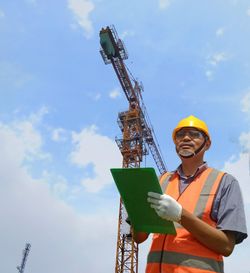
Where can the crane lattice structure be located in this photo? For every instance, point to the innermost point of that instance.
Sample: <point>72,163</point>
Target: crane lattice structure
<point>25,256</point>
<point>137,140</point>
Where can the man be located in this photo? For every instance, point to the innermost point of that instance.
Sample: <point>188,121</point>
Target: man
<point>205,204</point>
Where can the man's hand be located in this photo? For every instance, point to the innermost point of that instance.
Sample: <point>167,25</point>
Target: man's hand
<point>165,206</point>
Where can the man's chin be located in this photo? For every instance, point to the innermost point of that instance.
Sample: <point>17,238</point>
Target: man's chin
<point>185,153</point>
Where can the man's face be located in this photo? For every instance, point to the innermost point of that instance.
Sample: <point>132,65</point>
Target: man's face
<point>188,140</point>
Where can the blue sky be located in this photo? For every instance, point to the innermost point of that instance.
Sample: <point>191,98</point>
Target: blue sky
<point>59,106</point>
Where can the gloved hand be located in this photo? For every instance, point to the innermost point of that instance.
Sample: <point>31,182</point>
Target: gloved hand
<point>165,206</point>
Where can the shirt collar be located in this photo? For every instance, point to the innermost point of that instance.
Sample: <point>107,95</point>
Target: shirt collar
<point>199,170</point>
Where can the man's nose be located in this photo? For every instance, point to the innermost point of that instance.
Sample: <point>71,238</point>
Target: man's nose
<point>186,136</point>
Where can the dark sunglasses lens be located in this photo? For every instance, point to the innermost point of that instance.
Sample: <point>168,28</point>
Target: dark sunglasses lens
<point>195,134</point>
<point>180,134</point>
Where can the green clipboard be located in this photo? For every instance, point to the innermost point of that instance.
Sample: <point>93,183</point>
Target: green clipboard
<point>133,185</point>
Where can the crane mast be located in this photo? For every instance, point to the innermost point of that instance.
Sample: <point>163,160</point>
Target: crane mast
<point>137,140</point>
<point>25,256</point>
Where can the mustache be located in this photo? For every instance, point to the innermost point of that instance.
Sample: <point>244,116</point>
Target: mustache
<point>185,144</point>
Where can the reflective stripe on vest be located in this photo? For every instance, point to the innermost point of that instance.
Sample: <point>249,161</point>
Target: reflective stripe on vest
<point>200,207</point>
<point>188,260</point>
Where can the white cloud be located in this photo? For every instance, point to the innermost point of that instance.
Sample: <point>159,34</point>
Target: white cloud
<point>245,141</point>
<point>12,75</point>
<point>2,14</point>
<point>248,12</point>
<point>37,117</point>
<point>240,170</point>
<point>97,96</point>
<point>127,33</point>
<point>212,63</point>
<point>99,151</point>
<point>58,184</point>
<point>29,139</point>
<point>164,4</point>
<point>32,213</point>
<point>220,32</point>
<point>245,103</point>
<point>59,135</point>
<point>115,93</point>
<point>239,167</point>
<point>217,58</point>
<point>209,74</point>
<point>232,264</point>
<point>81,10</point>
<point>60,187</point>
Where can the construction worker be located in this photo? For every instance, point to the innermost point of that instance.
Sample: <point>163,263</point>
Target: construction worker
<point>205,205</point>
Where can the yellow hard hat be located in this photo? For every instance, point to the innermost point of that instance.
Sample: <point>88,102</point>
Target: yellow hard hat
<point>194,122</point>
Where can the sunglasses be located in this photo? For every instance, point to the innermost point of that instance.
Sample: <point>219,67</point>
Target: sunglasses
<point>193,134</point>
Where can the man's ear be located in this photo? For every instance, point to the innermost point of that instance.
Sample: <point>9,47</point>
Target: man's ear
<point>208,144</point>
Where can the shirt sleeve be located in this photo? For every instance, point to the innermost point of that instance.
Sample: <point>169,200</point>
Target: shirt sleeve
<point>228,208</point>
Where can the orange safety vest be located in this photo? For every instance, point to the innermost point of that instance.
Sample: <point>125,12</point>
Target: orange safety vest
<point>182,253</point>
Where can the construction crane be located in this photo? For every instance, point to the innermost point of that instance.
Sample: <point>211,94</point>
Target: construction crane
<point>25,256</point>
<point>137,140</point>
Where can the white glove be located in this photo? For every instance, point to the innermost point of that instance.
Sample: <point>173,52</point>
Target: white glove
<point>165,206</point>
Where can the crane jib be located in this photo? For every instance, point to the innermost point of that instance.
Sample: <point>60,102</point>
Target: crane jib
<point>114,52</point>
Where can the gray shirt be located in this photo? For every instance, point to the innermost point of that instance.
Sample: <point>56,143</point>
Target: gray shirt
<point>228,210</point>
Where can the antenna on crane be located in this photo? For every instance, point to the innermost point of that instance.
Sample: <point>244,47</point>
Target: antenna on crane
<point>25,256</point>
<point>137,140</point>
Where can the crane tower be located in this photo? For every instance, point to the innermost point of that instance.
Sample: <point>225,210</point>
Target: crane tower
<point>25,256</point>
<point>137,140</point>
